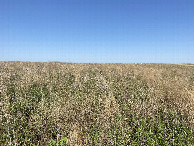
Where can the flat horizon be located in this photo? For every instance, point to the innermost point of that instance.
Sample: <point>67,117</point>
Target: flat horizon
<point>110,31</point>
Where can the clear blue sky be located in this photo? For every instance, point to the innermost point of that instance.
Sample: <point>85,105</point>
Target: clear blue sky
<point>124,31</point>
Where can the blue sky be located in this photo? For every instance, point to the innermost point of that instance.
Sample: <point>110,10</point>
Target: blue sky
<point>123,31</point>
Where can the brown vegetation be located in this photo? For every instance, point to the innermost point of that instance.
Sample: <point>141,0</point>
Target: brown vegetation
<point>95,104</point>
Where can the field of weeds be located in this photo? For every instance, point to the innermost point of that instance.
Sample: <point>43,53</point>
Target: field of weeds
<point>96,104</point>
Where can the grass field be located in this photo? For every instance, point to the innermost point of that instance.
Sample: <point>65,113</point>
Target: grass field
<point>96,104</point>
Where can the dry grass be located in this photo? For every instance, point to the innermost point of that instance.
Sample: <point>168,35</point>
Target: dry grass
<point>96,104</point>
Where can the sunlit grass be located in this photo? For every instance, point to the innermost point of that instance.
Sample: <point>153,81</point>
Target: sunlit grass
<point>96,104</point>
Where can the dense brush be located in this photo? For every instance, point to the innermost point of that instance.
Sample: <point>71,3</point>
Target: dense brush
<point>96,104</point>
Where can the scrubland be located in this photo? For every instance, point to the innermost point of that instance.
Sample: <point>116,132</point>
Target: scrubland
<point>96,104</point>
